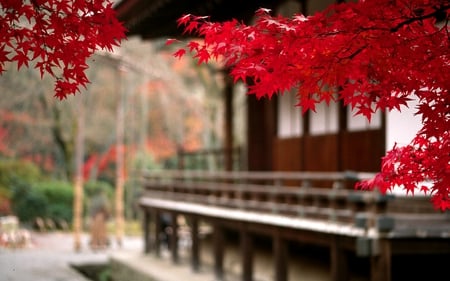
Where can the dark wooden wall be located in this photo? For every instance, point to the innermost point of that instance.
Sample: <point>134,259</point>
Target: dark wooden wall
<point>341,151</point>
<point>260,131</point>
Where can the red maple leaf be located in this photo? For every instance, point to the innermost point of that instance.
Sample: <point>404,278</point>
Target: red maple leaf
<point>59,34</point>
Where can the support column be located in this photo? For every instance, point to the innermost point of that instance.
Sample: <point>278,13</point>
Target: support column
<point>195,247</point>
<point>219,251</point>
<point>174,238</point>
<point>339,261</point>
<point>147,235</point>
<point>280,252</point>
<point>380,265</point>
<point>247,256</point>
<point>158,229</point>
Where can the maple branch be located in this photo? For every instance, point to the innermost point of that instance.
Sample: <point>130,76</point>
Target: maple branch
<point>354,54</point>
<point>437,12</point>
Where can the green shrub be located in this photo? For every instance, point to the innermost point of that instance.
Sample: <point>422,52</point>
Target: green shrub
<point>59,195</point>
<point>28,203</point>
<point>12,172</point>
<point>49,199</point>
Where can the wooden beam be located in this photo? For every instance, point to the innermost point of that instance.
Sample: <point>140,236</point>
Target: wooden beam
<point>416,246</point>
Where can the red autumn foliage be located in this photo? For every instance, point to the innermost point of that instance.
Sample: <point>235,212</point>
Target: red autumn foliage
<point>57,37</point>
<point>373,55</point>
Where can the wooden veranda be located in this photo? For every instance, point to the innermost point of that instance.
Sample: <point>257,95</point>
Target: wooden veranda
<point>292,207</point>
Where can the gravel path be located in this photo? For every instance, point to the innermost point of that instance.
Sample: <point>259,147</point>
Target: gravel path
<point>50,256</point>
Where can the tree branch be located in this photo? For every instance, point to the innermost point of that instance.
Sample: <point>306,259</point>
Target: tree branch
<point>436,13</point>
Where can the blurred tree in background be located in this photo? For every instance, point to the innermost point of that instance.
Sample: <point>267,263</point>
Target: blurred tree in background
<point>152,85</point>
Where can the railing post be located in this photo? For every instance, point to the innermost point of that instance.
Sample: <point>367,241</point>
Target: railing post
<point>274,195</point>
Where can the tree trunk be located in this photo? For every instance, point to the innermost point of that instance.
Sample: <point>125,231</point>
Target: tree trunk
<point>120,165</point>
<point>78,185</point>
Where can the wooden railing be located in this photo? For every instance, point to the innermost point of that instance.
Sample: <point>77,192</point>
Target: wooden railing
<point>267,192</point>
<point>311,195</point>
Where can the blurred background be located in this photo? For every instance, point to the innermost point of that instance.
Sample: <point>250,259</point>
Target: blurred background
<point>141,102</point>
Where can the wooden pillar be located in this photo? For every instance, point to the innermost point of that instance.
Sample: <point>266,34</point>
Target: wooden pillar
<point>147,234</point>
<point>280,252</point>
<point>157,244</point>
<point>247,256</point>
<point>339,261</point>
<point>380,265</point>
<point>260,138</point>
<point>219,251</point>
<point>195,247</point>
<point>174,238</point>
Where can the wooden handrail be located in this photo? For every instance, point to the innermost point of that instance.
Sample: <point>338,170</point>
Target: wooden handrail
<point>252,176</point>
<point>269,193</point>
<point>265,192</point>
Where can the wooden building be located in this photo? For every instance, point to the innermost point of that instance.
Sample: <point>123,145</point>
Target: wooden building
<point>280,139</point>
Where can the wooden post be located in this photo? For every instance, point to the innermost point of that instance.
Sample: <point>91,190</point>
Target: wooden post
<point>195,247</point>
<point>219,251</point>
<point>247,256</point>
<point>339,261</point>
<point>174,238</point>
<point>381,264</point>
<point>280,253</point>
<point>147,235</point>
<point>157,220</point>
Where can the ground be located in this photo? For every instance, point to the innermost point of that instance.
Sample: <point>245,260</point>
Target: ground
<point>50,256</point>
